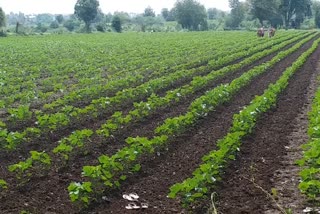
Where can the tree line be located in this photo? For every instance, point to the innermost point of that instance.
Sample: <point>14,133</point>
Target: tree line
<point>185,15</point>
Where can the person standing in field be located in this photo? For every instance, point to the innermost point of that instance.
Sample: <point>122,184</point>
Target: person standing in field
<point>260,32</point>
<point>271,32</point>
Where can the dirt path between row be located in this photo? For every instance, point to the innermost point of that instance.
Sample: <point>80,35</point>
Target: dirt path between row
<point>268,155</point>
<point>287,178</point>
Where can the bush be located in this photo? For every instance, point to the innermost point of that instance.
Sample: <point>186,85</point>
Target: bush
<point>100,27</point>
<point>308,24</point>
<point>3,34</point>
<point>317,19</point>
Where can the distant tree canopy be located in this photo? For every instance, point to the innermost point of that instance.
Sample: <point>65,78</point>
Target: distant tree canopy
<point>212,13</point>
<point>186,14</point>
<point>116,24</point>
<point>54,24</point>
<point>316,12</point>
<point>168,15</point>
<point>2,22</point>
<point>59,19</point>
<point>165,13</point>
<point>72,23</point>
<point>100,17</point>
<point>191,15</point>
<point>295,11</point>
<point>2,18</point>
<point>237,14</point>
<point>44,18</point>
<point>124,17</point>
<point>87,11</point>
<point>149,12</point>
<point>265,10</point>
<point>281,12</point>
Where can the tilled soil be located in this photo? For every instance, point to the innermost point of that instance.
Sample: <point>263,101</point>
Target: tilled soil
<point>286,179</point>
<point>263,153</point>
<point>48,194</point>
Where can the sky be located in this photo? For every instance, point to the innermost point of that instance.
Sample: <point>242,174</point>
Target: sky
<point>67,6</point>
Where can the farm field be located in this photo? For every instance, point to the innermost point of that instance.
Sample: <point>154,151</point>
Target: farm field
<point>172,117</point>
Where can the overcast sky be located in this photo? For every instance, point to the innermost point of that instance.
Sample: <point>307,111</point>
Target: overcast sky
<point>67,6</point>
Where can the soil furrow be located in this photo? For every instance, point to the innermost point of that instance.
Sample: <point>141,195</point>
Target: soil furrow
<point>263,153</point>
<point>180,159</point>
<point>287,178</point>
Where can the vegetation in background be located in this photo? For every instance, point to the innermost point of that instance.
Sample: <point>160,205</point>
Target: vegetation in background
<point>86,10</point>
<point>116,24</point>
<point>191,15</point>
<point>237,14</point>
<point>2,22</point>
<point>149,12</point>
<point>187,15</point>
<point>316,11</point>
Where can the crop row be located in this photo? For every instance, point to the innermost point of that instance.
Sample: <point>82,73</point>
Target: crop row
<point>134,79</point>
<point>209,172</point>
<point>78,139</point>
<point>145,108</point>
<point>112,170</point>
<point>110,87</point>
<point>47,123</point>
<point>310,162</point>
<point>27,79</point>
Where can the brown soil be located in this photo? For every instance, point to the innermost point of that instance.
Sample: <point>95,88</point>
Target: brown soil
<point>286,178</point>
<point>265,157</point>
<point>48,194</point>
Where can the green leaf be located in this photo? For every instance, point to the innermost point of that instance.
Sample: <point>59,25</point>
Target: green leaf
<point>136,168</point>
<point>123,177</point>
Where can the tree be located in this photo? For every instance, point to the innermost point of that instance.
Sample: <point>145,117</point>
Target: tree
<point>265,10</point>
<point>165,13</point>
<point>13,18</point>
<point>44,18</point>
<point>237,13</point>
<point>124,17</point>
<point>191,14</point>
<point>213,13</point>
<point>42,27</point>
<point>54,24</point>
<point>101,27</point>
<point>116,24</point>
<point>148,23</point>
<point>2,18</point>
<point>294,11</point>
<point>72,23</point>
<point>100,17</point>
<point>108,18</point>
<point>59,19</point>
<point>316,12</point>
<point>87,11</point>
<point>17,27</point>
<point>141,22</point>
<point>172,15</point>
<point>149,12</point>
